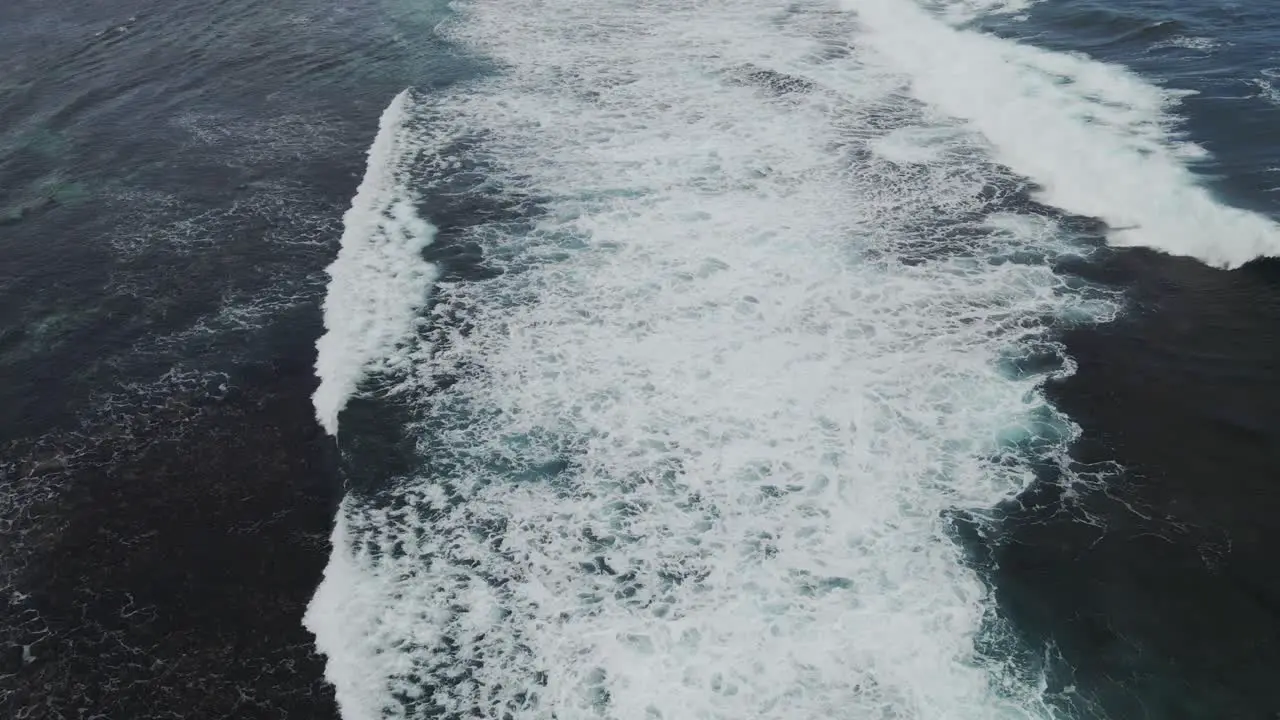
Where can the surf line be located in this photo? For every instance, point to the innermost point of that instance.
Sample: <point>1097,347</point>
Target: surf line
<point>379,281</point>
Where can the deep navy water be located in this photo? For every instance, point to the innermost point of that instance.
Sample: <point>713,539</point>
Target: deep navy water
<point>172,184</point>
<point>1174,611</point>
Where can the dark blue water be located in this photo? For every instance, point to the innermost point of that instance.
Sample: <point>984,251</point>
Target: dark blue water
<point>1166,603</point>
<point>172,180</point>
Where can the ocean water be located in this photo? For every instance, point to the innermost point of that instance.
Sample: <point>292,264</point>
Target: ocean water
<point>738,359</point>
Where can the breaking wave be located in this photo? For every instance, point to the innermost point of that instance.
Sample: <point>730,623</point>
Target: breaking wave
<point>692,448</point>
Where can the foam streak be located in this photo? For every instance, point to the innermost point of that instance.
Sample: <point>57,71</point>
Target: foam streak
<point>379,281</point>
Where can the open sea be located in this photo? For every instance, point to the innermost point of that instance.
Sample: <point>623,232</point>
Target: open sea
<point>640,359</point>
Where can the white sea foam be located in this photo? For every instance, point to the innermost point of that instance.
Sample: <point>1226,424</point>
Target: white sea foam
<point>1188,42</point>
<point>1266,86</point>
<point>963,11</point>
<point>1095,136</point>
<point>700,438</point>
<point>379,281</point>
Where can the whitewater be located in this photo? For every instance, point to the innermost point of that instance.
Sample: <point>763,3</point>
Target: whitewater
<point>694,448</point>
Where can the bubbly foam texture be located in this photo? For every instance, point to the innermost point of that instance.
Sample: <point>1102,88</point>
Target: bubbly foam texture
<point>379,281</point>
<point>1188,42</point>
<point>698,443</point>
<point>963,11</point>
<point>158,221</point>
<point>37,473</point>
<point>1095,136</point>
<point>1266,86</point>
<point>249,142</point>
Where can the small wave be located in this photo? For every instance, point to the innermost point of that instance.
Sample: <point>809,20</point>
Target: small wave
<point>1114,26</point>
<point>379,280</point>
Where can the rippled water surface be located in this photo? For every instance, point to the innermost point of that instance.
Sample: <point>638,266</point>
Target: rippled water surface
<point>862,358</point>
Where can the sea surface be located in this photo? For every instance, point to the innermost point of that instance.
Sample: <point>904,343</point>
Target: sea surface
<point>662,360</point>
